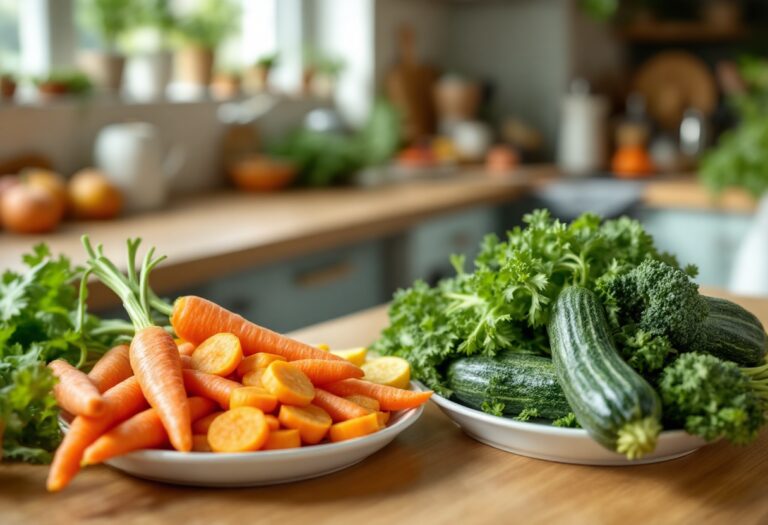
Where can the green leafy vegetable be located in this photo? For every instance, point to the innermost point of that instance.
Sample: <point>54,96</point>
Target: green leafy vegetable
<point>567,421</point>
<point>527,414</point>
<point>643,351</point>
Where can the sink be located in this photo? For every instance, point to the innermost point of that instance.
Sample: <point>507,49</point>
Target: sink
<point>567,199</point>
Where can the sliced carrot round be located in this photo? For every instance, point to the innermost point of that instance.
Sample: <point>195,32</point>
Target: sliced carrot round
<point>289,384</point>
<point>201,426</point>
<point>280,439</point>
<point>241,429</point>
<point>312,422</point>
<point>253,378</point>
<point>257,360</point>
<point>220,355</point>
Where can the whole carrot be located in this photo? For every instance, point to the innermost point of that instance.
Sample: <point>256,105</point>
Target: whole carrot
<point>153,353</point>
<point>196,319</point>
<point>121,402</point>
<point>74,392</point>
<point>322,371</point>
<point>142,431</point>
<point>111,369</point>
<point>209,386</point>
<point>338,408</point>
<point>389,398</point>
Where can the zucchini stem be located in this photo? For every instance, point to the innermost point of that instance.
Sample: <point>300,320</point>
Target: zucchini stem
<point>638,438</point>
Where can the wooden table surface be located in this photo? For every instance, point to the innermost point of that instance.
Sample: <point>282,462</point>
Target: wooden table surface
<point>431,474</point>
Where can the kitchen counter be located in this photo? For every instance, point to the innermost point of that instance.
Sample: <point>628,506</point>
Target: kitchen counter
<point>210,235</point>
<point>432,473</point>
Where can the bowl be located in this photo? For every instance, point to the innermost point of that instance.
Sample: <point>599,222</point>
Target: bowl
<point>262,173</point>
<point>563,445</point>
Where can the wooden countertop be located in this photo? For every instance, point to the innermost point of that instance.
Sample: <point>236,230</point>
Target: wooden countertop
<point>432,473</point>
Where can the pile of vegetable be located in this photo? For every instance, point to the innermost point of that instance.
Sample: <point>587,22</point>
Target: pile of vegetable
<point>586,324</point>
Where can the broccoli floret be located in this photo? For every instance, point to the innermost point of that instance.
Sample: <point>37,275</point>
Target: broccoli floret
<point>643,351</point>
<point>712,398</point>
<point>661,300</point>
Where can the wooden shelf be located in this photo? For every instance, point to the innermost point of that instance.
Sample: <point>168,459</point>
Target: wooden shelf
<point>680,32</point>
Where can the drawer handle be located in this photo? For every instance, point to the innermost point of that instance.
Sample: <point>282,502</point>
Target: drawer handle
<point>323,276</point>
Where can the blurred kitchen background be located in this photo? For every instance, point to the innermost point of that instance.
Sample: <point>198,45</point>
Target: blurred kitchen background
<point>302,159</point>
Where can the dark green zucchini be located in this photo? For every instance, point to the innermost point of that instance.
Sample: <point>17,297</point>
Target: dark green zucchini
<point>518,381</point>
<point>732,333</point>
<point>618,408</point>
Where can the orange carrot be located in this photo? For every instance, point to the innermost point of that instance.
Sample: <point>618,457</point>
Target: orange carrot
<point>322,371</point>
<point>185,347</point>
<point>195,319</point>
<point>252,396</point>
<point>272,422</point>
<point>338,408</point>
<point>280,439</point>
<point>257,360</point>
<point>253,378</point>
<point>241,429</point>
<point>311,421</point>
<point>157,365</point>
<point>288,384</point>
<point>354,428</point>
<point>364,401</point>
<point>122,401</point>
<point>200,443</point>
<point>202,425</point>
<point>74,392</point>
<point>111,369</point>
<point>144,430</point>
<point>220,355</point>
<point>389,398</point>
<point>210,386</point>
<point>383,418</point>
<point>186,362</point>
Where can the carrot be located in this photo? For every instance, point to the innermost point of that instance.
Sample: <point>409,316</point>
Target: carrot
<point>111,369</point>
<point>210,386</point>
<point>322,371</point>
<point>288,384</point>
<point>354,428</point>
<point>383,418</point>
<point>220,355</point>
<point>74,392</point>
<point>252,396</point>
<point>202,425</point>
<point>241,429</point>
<point>186,362</point>
<point>253,378</point>
<point>338,408</point>
<point>389,398</point>
<point>255,361</point>
<point>311,421</point>
<point>185,347</point>
<point>195,319</point>
<point>142,431</point>
<point>364,401</point>
<point>153,352</point>
<point>280,439</point>
<point>272,422</point>
<point>122,401</point>
<point>200,443</point>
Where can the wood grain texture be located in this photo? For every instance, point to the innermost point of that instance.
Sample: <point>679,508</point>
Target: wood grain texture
<point>431,474</point>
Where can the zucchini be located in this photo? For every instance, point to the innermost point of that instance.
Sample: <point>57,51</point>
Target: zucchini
<point>611,401</point>
<point>732,333</point>
<point>517,381</point>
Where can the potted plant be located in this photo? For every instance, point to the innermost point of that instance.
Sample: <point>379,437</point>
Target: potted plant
<point>7,86</point>
<point>201,32</point>
<point>60,83</point>
<point>148,70</point>
<point>321,72</point>
<point>256,78</point>
<point>740,160</point>
<point>108,20</point>
<point>225,84</point>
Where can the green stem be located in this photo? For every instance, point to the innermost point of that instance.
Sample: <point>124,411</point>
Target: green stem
<point>638,438</point>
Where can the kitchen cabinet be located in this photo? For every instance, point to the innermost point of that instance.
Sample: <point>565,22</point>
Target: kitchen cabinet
<point>707,238</point>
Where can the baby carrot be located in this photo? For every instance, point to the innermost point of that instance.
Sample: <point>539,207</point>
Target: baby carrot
<point>241,429</point>
<point>338,408</point>
<point>111,369</point>
<point>280,439</point>
<point>142,431</point>
<point>288,384</point>
<point>74,392</point>
<point>122,401</point>
<point>354,428</point>
<point>252,396</point>
<point>220,355</point>
<point>311,421</point>
<point>255,361</point>
<point>195,319</point>
<point>322,371</point>
<point>389,398</point>
<point>210,386</point>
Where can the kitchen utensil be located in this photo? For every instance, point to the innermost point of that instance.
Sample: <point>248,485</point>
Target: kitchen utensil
<point>563,445</point>
<point>673,81</point>
<point>134,159</point>
<point>410,88</point>
<point>582,142</point>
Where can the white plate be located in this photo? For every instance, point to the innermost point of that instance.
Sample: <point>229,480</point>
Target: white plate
<point>564,445</point>
<point>268,467</point>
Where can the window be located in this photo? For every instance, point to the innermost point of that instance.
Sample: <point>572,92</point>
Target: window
<point>10,52</point>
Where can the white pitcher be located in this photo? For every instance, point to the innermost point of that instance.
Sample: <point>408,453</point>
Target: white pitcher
<point>134,159</point>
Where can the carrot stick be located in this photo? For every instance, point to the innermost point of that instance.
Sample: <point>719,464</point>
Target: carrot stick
<point>210,386</point>
<point>364,401</point>
<point>338,408</point>
<point>113,368</point>
<point>144,430</point>
<point>354,428</point>
<point>74,392</point>
<point>322,371</point>
<point>389,398</point>
<point>195,319</point>
<point>122,401</point>
<point>157,365</point>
